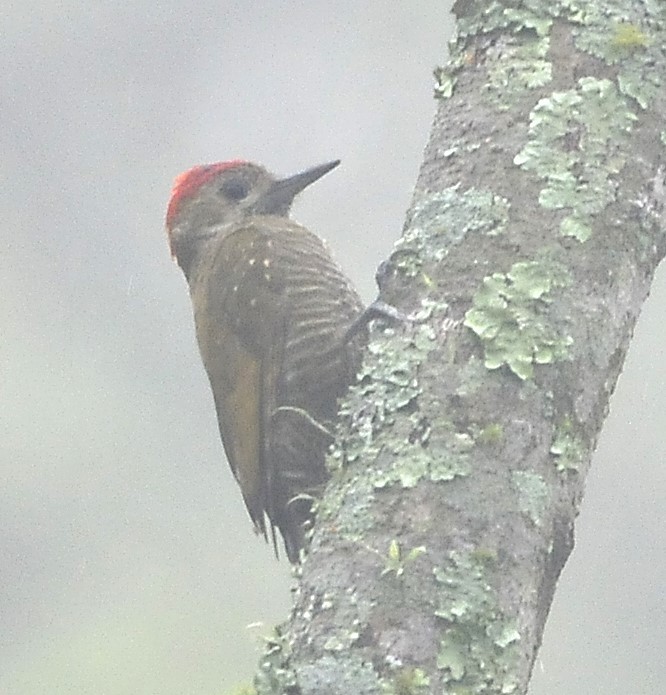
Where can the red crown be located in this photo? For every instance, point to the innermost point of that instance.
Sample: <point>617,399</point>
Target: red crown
<point>186,185</point>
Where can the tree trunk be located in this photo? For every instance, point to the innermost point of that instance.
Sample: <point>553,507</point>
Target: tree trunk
<point>528,251</point>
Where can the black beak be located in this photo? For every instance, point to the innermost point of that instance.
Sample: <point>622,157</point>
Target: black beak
<point>279,197</point>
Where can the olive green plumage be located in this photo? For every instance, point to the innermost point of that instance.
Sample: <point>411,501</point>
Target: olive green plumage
<point>271,310</point>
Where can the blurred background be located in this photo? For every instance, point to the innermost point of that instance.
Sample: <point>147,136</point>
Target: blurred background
<point>127,562</point>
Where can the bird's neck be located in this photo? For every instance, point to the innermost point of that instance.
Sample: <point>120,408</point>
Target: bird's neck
<point>191,250</point>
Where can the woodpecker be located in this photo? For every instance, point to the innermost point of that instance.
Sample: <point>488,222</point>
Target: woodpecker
<point>273,314</point>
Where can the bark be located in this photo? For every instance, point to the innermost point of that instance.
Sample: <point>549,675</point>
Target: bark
<point>534,232</point>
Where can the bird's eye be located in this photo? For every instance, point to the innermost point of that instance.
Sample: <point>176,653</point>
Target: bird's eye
<point>235,189</point>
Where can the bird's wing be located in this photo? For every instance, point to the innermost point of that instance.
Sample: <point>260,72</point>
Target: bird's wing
<point>315,366</point>
<point>271,318</point>
<point>240,318</point>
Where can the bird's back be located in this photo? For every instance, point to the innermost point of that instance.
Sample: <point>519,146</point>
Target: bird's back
<point>271,318</point>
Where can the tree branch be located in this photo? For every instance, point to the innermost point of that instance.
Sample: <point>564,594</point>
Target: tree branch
<point>528,251</point>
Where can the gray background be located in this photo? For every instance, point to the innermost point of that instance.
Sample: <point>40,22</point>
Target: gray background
<point>127,563</point>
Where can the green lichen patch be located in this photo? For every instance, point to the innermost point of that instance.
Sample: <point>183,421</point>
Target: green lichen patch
<point>522,66</point>
<point>406,681</point>
<point>410,465</point>
<point>350,502</point>
<point>532,495</point>
<point>510,316</point>
<point>630,39</point>
<point>479,646</point>
<point>450,457</point>
<point>274,674</point>
<point>576,145</point>
<point>523,18</point>
<point>604,32</point>
<point>496,15</point>
<point>576,227</point>
<point>442,220</point>
<point>444,458</point>
<point>518,63</point>
<point>387,383</point>
<point>628,36</point>
<point>567,448</point>
<point>642,88</point>
<point>341,640</point>
<point>445,81</point>
<point>601,27</point>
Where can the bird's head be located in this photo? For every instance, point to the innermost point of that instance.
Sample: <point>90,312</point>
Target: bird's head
<point>207,197</point>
